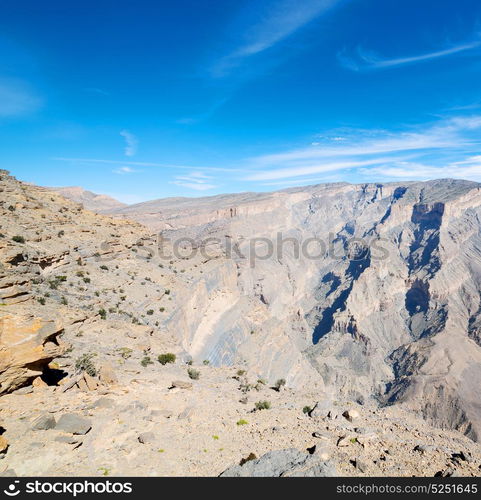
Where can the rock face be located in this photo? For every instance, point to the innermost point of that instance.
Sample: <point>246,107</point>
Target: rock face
<point>384,303</point>
<point>369,295</point>
<point>91,201</point>
<point>27,345</point>
<point>283,463</point>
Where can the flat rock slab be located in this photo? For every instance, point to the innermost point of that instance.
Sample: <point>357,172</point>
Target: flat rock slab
<point>73,424</point>
<point>283,463</point>
<point>43,423</point>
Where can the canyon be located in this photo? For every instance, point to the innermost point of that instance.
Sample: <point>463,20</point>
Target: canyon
<point>358,297</point>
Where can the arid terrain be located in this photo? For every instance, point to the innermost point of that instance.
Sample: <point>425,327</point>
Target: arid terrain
<point>159,339</point>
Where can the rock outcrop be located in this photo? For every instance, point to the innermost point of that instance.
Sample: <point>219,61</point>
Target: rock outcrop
<point>27,345</point>
<point>283,463</point>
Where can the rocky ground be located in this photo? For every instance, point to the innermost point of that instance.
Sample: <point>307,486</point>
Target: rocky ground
<point>155,421</point>
<point>86,309</point>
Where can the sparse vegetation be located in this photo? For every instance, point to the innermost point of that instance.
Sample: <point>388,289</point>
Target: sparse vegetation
<point>146,361</point>
<point>263,405</point>
<point>125,352</point>
<point>103,313</point>
<point>41,300</point>
<point>85,364</point>
<point>279,384</point>
<point>206,362</point>
<point>150,312</point>
<point>166,358</point>
<point>242,422</point>
<point>18,239</point>
<point>193,374</point>
<point>306,409</point>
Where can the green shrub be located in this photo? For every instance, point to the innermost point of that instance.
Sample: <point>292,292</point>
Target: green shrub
<point>41,300</point>
<point>242,422</point>
<point>263,405</point>
<point>206,362</point>
<point>104,267</point>
<point>85,364</point>
<point>103,313</point>
<point>167,358</point>
<point>193,374</point>
<point>306,409</point>
<point>162,309</point>
<point>18,239</point>
<point>150,312</point>
<point>167,292</point>
<point>146,361</point>
<point>125,352</point>
<point>279,384</point>
<point>64,301</point>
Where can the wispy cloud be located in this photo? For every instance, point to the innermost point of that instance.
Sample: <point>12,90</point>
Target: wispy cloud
<point>199,117</point>
<point>364,59</point>
<point>468,169</point>
<point>280,20</point>
<point>195,180</point>
<point>125,170</point>
<point>131,143</point>
<point>363,152</point>
<point>17,99</point>
<point>172,166</point>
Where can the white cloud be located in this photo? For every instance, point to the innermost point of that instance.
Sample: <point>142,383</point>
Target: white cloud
<point>86,161</point>
<point>124,170</point>
<point>283,19</point>
<point>131,143</point>
<point>297,171</point>
<point>467,169</point>
<point>195,180</point>
<point>17,99</point>
<point>458,136</point>
<point>370,60</point>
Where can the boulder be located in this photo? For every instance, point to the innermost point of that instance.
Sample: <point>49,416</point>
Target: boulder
<point>283,463</point>
<point>38,383</point>
<point>43,422</point>
<point>351,415</point>
<point>27,346</point>
<point>3,444</point>
<point>180,384</point>
<point>107,374</point>
<point>147,438</point>
<point>324,409</point>
<point>73,424</point>
<point>91,382</point>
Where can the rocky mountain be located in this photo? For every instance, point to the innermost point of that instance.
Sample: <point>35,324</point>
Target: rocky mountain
<point>91,201</point>
<point>396,318</point>
<point>340,319</point>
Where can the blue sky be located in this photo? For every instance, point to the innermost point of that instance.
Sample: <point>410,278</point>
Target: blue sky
<point>143,100</point>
